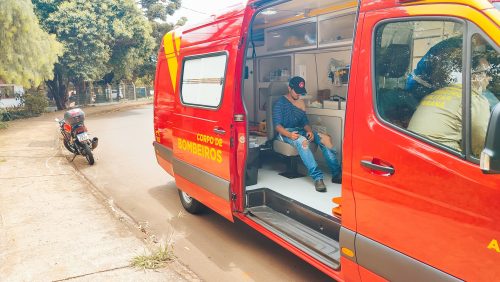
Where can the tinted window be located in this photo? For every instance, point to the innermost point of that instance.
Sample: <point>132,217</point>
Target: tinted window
<point>485,89</point>
<point>418,68</point>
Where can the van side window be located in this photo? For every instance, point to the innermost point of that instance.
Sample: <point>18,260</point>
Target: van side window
<point>485,89</point>
<point>418,78</point>
<point>203,80</point>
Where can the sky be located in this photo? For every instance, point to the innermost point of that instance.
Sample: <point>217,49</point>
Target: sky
<point>196,10</point>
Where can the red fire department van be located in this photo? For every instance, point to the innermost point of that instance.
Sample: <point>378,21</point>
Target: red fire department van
<point>406,90</point>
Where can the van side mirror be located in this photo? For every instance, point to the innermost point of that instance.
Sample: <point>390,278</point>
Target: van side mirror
<point>490,156</point>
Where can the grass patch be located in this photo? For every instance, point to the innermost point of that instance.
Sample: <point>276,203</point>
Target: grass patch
<point>156,259</point>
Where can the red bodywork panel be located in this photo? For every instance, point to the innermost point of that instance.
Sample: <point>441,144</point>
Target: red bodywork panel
<point>437,207</point>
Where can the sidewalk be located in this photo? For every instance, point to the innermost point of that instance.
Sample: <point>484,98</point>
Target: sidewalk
<point>53,226</point>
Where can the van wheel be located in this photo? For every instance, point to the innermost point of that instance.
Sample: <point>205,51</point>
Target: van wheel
<point>190,204</point>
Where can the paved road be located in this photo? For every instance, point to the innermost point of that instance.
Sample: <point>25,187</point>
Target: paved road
<point>212,247</point>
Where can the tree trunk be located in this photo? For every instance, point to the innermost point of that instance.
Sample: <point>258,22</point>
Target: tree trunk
<point>135,94</point>
<point>57,89</point>
<point>81,90</point>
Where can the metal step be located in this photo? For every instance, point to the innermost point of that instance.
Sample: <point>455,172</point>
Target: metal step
<point>321,243</point>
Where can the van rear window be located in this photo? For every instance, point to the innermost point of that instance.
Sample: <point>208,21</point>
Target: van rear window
<point>203,80</point>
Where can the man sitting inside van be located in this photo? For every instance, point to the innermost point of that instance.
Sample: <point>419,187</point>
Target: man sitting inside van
<point>439,115</point>
<point>290,121</point>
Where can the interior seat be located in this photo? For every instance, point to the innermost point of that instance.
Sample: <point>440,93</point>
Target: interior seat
<point>275,91</point>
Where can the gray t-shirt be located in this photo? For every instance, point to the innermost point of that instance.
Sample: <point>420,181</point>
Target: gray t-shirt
<point>439,118</point>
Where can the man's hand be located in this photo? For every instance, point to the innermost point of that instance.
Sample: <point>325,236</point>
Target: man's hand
<point>294,135</point>
<point>310,136</point>
<point>326,140</point>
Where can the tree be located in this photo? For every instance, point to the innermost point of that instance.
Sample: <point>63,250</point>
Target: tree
<point>131,41</point>
<point>28,52</point>
<point>159,9</point>
<point>100,37</point>
<point>157,12</point>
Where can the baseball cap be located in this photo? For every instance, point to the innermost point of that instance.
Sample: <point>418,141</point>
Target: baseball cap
<point>298,84</point>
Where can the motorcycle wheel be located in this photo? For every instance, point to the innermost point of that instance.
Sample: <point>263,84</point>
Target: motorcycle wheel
<point>67,146</point>
<point>88,153</point>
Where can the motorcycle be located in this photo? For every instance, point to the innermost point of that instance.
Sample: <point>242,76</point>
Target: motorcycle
<point>76,138</point>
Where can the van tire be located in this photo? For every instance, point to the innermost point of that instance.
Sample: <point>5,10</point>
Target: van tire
<point>190,204</point>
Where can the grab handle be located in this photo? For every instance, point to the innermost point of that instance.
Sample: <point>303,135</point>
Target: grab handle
<point>377,167</point>
<point>219,131</point>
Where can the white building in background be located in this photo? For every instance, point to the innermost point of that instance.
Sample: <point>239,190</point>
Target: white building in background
<point>8,94</point>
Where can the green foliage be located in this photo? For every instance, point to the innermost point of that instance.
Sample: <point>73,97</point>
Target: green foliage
<point>160,9</point>
<point>147,70</point>
<point>155,260</point>
<point>83,28</point>
<point>132,41</point>
<point>28,52</point>
<point>106,38</point>
<point>101,37</point>
<point>34,103</point>
<point>154,10</point>
<point>4,116</point>
<point>109,38</point>
<point>13,113</point>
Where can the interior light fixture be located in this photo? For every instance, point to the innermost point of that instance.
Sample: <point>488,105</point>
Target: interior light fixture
<point>269,12</point>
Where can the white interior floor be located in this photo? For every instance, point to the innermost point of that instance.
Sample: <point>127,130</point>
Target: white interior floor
<point>300,189</point>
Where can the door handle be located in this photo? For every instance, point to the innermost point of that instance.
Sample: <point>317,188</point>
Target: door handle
<point>382,168</point>
<point>219,131</point>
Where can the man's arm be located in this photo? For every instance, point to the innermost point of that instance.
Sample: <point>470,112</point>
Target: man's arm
<point>281,130</point>
<point>309,132</point>
<point>479,123</point>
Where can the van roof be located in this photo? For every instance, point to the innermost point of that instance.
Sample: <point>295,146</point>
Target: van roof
<point>226,12</point>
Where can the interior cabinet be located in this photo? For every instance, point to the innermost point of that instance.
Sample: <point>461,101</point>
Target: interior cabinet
<point>275,68</point>
<point>336,29</point>
<point>297,35</point>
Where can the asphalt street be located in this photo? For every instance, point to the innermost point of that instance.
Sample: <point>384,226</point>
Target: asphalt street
<point>215,249</point>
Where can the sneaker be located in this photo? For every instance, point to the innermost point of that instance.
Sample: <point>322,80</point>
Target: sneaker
<point>320,185</point>
<point>337,179</point>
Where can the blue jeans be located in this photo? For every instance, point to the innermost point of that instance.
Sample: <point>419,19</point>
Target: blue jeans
<point>307,156</point>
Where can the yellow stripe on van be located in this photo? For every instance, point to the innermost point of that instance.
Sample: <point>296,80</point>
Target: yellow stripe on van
<point>494,14</point>
<point>459,11</point>
<point>334,8</point>
<point>172,46</point>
